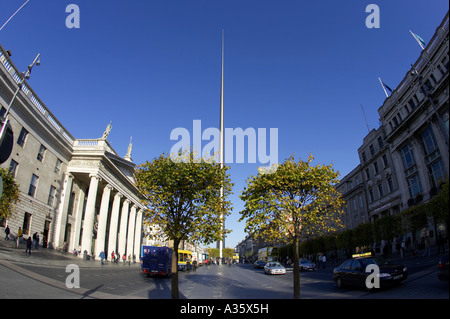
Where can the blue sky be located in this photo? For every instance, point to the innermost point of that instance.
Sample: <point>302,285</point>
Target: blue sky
<point>152,66</point>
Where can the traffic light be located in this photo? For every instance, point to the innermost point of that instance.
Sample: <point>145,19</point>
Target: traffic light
<point>6,142</point>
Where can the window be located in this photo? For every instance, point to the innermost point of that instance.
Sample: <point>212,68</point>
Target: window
<point>361,203</point>
<point>395,121</point>
<point>58,166</point>
<point>437,174</point>
<point>428,85</point>
<point>41,153</point>
<point>407,156</point>
<point>51,196</point>
<point>429,141</point>
<point>13,167</point>
<point>372,150</point>
<point>22,137</point>
<point>33,185</point>
<point>380,142</point>
<point>375,166</point>
<point>380,190</point>
<point>26,223</point>
<point>391,184</point>
<point>354,204</point>
<point>367,173</point>
<point>414,185</point>
<point>363,154</point>
<point>372,198</point>
<point>385,160</point>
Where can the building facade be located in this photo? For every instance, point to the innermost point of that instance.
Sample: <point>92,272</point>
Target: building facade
<point>406,160</point>
<point>79,192</point>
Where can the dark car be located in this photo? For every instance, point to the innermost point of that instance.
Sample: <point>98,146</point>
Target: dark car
<point>259,264</point>
<point>353,272</point>
<point>443,269</point>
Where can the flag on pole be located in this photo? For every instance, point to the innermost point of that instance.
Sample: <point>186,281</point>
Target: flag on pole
<point>384,86</point>
<point>419,40</point>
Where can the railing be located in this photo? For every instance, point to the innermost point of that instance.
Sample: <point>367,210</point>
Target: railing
<point>31,95</point>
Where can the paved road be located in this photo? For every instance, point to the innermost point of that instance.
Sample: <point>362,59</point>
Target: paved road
<point>43,274</point>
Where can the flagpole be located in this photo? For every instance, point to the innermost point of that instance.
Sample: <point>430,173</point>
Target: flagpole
<point>221,146</point>
<point>417,40</point>
<point>384,89</point>
<point>23,5</point>
<point>368,129</point>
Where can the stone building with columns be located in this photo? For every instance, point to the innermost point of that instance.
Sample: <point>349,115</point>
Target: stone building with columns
<point>74,191</point>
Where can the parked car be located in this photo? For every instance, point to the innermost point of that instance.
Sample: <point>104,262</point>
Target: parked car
<point>353,271</point>
<point>443,269</point>
<point>259,264</point>
<point>305,264</point>
<point>274,268</point>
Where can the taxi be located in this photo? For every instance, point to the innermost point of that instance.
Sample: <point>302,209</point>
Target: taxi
<point>353,271</point>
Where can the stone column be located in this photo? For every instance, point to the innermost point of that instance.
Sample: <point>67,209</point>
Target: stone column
<point>102,220</point>
<point>62,211</point>
<point>88,225</point>
<point>75,242</point>
<point>130,236</point>
<point>113,225</point>
<point>123,227</point>
<point>138,235</point>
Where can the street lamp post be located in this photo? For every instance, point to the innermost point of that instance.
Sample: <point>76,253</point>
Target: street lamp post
<point>25,76</point>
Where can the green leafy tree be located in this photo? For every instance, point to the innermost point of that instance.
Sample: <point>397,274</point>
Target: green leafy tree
<point>10,194</point>
<point>294,201</point>
<point>184,200</point>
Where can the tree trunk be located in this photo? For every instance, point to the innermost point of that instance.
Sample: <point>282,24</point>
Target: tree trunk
<point>296,270</point>
<point>174,287</point>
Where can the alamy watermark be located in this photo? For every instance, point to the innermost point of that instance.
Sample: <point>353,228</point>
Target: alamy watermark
<point>373,19</point>
<point>256,144</point>
<point>73,19</point>
<point>73,279</point>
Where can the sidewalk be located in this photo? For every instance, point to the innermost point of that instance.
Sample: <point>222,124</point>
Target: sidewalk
<point>48,256</point>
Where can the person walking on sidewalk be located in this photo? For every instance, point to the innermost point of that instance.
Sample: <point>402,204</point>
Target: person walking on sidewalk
<point>19,236</point>
<point>102,256</point>
<point>7,231</point>
<point>29,244</point>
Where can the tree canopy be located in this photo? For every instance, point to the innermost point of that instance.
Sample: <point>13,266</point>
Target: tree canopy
<point>186,200</point>
<point>292,202</point>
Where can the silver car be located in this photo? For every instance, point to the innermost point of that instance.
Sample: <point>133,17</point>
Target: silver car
<point>305,264</point>
<point>274,268</point>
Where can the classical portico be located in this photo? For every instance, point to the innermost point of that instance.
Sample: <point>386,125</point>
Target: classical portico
<point>100,208</point>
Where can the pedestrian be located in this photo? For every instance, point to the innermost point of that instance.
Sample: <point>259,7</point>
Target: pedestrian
<point>37,241</point>
<point>129,259</point>
<point>34,239</point>
<point>29,243</point>
<point>65,248</point>
<point>102,256</point>
<point>402,249</point>
<point>7,231</point>
<point>19,236</point>
<point>194,265</point>
<point>324,260</point>
<point>124,259</point>
<point>112,257</point>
